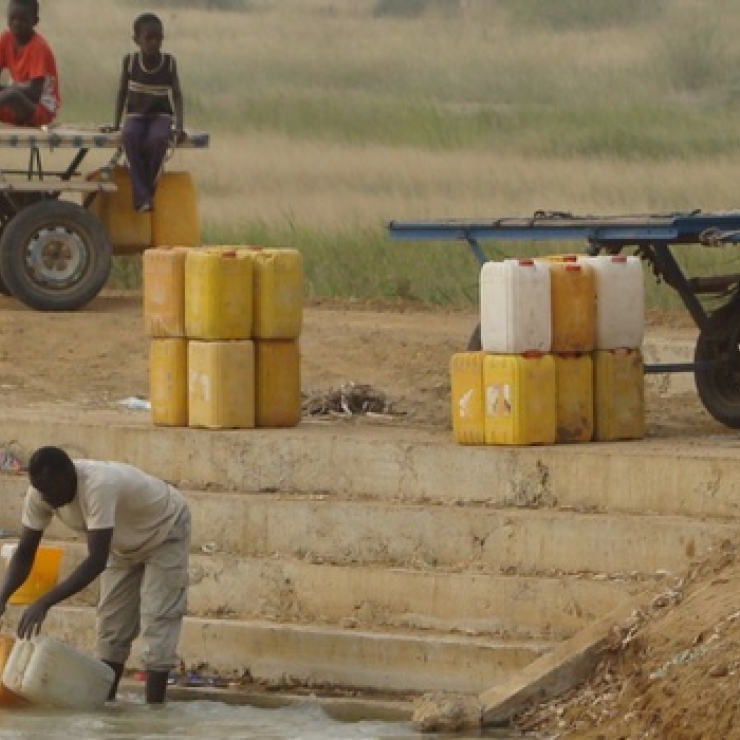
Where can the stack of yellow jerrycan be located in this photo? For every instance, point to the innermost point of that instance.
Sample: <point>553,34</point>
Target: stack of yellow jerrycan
<point>174,220</point>
<point>225,324</point>
<point>164,323</point>
<point>560,359</point>
<point>517,373</point>
<point>573,328</point>
<point>619,388</point>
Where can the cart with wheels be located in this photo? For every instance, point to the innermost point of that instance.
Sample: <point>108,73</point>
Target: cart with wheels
<point>653,237</point>
<point>55,254</point>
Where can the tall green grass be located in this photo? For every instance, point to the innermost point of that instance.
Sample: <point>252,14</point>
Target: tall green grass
<point>331,117</point>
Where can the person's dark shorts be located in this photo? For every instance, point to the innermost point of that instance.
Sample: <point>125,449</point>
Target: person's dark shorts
<point>42,116</point>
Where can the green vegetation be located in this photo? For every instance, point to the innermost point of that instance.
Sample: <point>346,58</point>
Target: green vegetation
<point>331,117</point>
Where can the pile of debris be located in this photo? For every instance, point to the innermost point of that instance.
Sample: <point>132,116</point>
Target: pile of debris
<point>349,400</point>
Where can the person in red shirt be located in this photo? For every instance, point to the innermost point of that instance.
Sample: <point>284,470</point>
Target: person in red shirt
<point>32,97</point>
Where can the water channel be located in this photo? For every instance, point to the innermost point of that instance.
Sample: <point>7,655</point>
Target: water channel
<point>131,719</point>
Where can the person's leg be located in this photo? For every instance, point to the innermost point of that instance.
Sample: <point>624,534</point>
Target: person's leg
<point>19,104</point>
<point>117,673</point>
<point>163,606</point>
<point>133,135</point>
<point>154,148</point>
<point>118,614</point>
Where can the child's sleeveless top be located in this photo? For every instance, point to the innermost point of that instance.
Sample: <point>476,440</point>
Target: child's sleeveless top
<point>150,90</point>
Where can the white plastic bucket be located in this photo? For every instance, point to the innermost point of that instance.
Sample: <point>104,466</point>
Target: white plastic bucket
<point>516,308</point>
<point>49,672</point>
<point>620,301</point>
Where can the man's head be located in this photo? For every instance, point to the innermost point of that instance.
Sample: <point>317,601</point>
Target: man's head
<point>23,15</point>
<point>148,33</point>
<point>52,473</point>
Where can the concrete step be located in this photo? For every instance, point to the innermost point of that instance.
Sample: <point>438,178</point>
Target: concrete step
<point>327,529</point>
<point>408,661</point>
<point>380,552</point>
<point>223,585</point>
<point>384,463</point>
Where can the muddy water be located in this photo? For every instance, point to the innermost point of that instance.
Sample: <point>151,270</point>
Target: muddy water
<point>206,720</point>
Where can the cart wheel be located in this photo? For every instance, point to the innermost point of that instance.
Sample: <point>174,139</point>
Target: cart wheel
<point>54,256</point>
<point>719,385</point>
<point>474,343</point>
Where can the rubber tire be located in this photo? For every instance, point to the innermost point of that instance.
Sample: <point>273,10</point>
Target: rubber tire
<point>719,387</point>
<point>64,225</point>
<point>474,343</point>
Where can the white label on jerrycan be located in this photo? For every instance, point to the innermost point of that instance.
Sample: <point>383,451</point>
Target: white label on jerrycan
<point>515,305</point>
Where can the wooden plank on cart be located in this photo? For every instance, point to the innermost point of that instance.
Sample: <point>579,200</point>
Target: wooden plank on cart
<point>56,186</point>
<point>79,137</point>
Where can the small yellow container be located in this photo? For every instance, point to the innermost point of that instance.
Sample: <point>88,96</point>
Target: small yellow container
<point>619,392</point>
<point>466,398</point>
<point>573,293</point>
<point>164,291</point>
<point>175,219</point>
<point>221,384</point>
<point>278,293</point>
<point>520,399</point>
<point>218,294</point>
<point>43,576</point>
<point>575,382</point>
<point>278,383</point>
<point>128,230</point>
<point>168,381</point>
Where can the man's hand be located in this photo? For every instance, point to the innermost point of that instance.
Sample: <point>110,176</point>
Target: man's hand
<point>32,619</point>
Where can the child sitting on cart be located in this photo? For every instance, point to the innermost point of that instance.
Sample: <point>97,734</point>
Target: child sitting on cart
<point>32,97</point>
<point>149,90</point>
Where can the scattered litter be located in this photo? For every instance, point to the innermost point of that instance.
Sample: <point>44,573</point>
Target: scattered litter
<point>134,403</point>
<point>682,658</point>
<point>191,679</point>
<point>350,399</point>
<point>11,460</point>
<point>209,547</point>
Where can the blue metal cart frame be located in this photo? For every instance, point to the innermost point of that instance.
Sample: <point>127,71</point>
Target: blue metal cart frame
<point>716,365</point>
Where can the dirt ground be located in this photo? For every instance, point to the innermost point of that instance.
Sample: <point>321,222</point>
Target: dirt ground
<point>97,357</point>
<point>674,673</point>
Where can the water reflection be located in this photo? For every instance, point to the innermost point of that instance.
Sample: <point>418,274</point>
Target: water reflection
<point>131,719</point>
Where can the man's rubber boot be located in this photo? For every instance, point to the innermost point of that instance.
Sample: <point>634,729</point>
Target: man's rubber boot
<point>156,686</point>
<point>118,670</point>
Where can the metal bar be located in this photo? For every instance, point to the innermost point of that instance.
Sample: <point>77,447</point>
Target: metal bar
<point>677,367</point>
<point>478,252</point>
<point>622,235</point>
<point>34,164</point>
<point>692,228</point>
<point>74,164</point>
<point>667,267</point>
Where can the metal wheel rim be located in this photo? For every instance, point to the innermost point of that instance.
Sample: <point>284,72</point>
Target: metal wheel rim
<point>55,257</point>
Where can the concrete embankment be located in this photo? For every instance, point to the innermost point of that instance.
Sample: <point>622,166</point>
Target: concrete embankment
<point>389,558</point>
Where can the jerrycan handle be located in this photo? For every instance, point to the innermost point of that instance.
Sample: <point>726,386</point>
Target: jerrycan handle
<point>18,660</point>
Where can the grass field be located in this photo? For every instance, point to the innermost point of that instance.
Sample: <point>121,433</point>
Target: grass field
<point>331,117</point>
